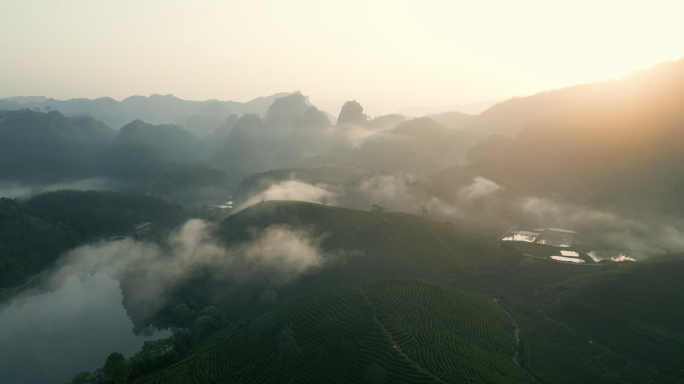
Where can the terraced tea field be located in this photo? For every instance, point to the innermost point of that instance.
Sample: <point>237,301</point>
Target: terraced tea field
<point>345,336</point>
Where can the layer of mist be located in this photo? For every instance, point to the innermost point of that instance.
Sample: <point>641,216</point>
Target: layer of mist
<point>484,203</point>
<point>19,190</point>
<point>150,271</point>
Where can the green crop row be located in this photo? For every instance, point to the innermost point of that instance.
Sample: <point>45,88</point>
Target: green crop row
<point>338,337</point>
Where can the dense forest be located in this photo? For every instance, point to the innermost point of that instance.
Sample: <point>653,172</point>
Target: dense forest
<point>36,232</point>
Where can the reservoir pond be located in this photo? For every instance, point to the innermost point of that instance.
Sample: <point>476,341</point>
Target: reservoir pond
<point>48,337</point>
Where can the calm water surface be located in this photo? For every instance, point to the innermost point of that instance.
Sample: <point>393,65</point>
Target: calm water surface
<point>48,337</point>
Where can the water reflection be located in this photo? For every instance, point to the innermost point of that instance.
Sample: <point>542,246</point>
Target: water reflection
<point>609,254</point>
<point>568,259</point>
<point>48,337</point>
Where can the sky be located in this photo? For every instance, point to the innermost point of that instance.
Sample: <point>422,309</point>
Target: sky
<point>389,54</point>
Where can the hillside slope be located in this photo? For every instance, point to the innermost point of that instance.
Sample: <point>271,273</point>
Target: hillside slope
<point>619,326</point>
<point>512,116</point>
<point>621,150</point>
<point>649,290</point>
<point>392,331</point>
<point>358,246</point>
<point>27,133</point>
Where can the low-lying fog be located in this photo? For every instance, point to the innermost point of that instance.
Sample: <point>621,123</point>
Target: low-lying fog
<point>19,190</point>
<point>484,203</point>
<point>76,318</point>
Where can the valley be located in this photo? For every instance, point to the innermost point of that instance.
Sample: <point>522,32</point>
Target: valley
<point>160,240</point>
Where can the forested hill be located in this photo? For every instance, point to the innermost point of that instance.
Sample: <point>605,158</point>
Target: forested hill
<point>33,234</point>
<point>24,133</point>
<point>39,149</point>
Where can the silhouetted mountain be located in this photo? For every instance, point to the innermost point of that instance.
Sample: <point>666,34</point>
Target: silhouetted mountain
<point>240,155</point>
<point>170,141</point>
<point>454,119</point>
<point>210,143</point>
<point>471,109</point>
<point>155,109</point>
<point>24,99</point>
<point>24,133</point>
<point>273,135</point>
<point>352,113</point>
<point>311,134</point>
<point>620,145</point>
<point>511,116</point>
<point>418,145</point>
<point>382,123</point>
<point>144,169</point>
<point>208,119</point>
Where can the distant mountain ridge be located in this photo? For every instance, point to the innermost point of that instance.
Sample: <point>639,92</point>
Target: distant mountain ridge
<point>470,108</point>
<point>512,116</point>
<point>155,109</point>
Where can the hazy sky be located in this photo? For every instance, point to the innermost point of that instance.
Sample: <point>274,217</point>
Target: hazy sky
<point>392,53</point>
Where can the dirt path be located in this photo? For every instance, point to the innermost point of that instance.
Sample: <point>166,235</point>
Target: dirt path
<point>23,285</point>
<point>397,347</point>
<point>517,339</point>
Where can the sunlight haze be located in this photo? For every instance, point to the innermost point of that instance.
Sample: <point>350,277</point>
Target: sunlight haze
<point>386,54</point>
<point>378,192</point>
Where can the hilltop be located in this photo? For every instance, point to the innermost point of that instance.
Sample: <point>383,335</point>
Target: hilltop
<point>358,246</point>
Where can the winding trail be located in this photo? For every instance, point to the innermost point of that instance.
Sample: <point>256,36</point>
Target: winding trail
<point>23,285</point>
<point>397,347</point>
<point>517,340</point>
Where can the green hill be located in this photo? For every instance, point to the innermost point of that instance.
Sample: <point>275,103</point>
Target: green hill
<point>619,326</point>
<point>648,291</point>
<point>362,246</point>
<point>393,331</point>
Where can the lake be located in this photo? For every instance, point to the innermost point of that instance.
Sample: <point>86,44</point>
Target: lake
<point>48,337</point>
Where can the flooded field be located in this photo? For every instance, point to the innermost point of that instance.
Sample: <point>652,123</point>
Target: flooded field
<point>567,259</point>
<point>611,254</point>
